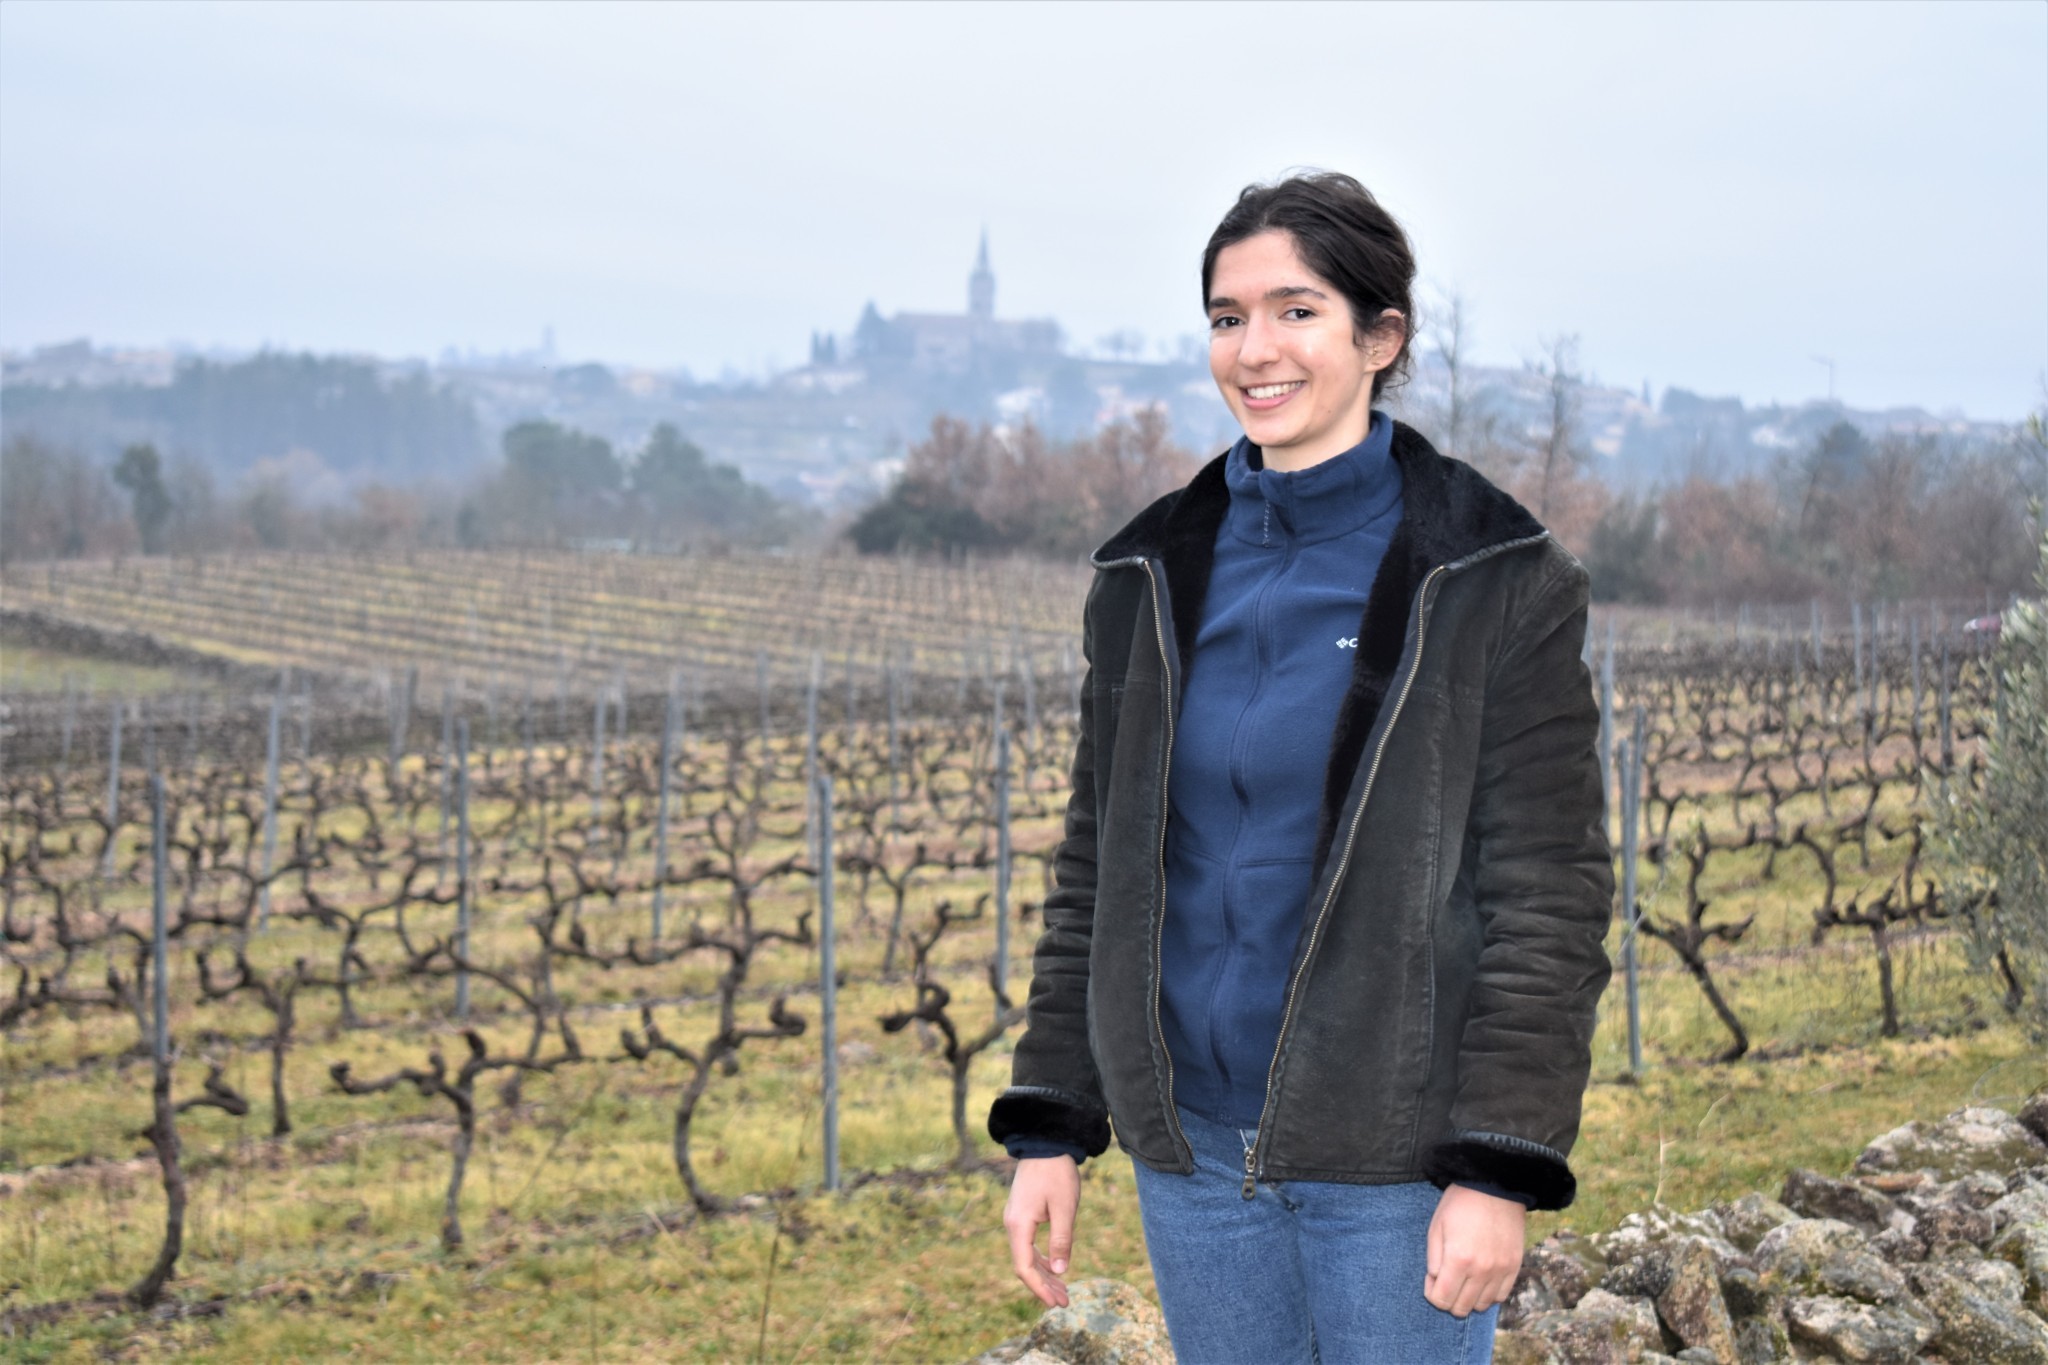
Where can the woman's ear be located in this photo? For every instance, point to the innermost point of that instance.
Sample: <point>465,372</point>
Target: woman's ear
<point>1382,339</point>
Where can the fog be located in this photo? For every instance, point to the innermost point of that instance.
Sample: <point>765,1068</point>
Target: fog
<point>1710,196</point>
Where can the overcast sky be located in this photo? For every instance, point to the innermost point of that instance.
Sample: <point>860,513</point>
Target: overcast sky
<point>1709,196</point>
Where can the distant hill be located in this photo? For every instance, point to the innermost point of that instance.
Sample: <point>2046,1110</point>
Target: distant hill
<point>365,421</point>
<point>830,432</point>
<point>1635,442</point>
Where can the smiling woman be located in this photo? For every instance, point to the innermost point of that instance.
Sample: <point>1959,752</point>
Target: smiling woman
<point>1309,315</point>
<point>1326,940</point>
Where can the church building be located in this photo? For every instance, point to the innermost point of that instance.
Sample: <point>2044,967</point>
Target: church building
<point>950,343</point>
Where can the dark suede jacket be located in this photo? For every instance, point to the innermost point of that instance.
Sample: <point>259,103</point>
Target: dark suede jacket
<point>1440,1007</point>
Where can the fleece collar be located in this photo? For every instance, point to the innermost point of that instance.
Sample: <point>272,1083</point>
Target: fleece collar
<point>1273,507</point>
<point>1450,512</point>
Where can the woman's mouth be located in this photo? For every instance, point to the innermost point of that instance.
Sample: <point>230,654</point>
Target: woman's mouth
<point>1266,397</point>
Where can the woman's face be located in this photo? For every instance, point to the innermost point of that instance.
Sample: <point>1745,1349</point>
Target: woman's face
<point>1285,352</point>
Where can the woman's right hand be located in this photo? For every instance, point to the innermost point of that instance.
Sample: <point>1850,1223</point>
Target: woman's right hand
<point>1044,1190</point>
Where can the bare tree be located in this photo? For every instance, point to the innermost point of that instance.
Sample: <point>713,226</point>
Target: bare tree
<point>1556,444</point>
<point>57,504</point>
<point>1450,335</point>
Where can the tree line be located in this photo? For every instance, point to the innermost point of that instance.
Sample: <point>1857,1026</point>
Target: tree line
<point>554,485</point>
<point>985,488</point>
<point>1892,518</point>
<point>1889,517</point>
<point>363,422</point>
<point>1899,515</point>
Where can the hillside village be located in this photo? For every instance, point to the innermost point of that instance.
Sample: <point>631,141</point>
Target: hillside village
<point>831,431</point>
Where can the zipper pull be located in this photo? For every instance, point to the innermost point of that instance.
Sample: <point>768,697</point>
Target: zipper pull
<point>1249,1186</point>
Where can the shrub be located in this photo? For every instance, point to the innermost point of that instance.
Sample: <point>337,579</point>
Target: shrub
<point>1991,836</point>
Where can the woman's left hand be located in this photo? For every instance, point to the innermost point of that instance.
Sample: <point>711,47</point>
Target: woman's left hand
<point>1475,1250</point>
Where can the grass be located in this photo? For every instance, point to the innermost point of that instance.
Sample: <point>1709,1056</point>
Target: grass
<point>31,670</point>
<point>581,1247</point>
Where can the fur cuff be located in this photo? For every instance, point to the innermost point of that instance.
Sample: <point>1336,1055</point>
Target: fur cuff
<point>1526,1168</point>
<point>1054,1115</point>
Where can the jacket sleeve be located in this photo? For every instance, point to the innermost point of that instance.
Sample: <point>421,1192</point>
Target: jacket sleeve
<point>1543,884</point>
<point>1055,1095</point>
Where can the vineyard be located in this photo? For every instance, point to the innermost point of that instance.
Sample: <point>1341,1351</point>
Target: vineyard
<point>613,957</point>
<point>578,621</point>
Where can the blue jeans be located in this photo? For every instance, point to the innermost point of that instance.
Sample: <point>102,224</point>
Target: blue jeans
<point>1305,1270</point>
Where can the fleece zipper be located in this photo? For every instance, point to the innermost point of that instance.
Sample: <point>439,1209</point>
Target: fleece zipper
<point>1254,1157</point>
<point>1165,806</point>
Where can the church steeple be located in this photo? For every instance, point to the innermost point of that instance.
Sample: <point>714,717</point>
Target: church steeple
<point>981,286</point>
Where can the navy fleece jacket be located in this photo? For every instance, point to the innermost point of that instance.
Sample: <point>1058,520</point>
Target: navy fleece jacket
<point>1295,559</point>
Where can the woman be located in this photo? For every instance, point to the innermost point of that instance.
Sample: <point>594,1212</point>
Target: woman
<point>1327,932</point>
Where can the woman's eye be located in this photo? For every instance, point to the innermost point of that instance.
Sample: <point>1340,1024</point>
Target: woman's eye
<point>1298,314</point>
<point>1217,324</point>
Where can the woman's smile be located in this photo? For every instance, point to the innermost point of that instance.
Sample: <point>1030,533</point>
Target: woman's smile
<point>1266,397</point>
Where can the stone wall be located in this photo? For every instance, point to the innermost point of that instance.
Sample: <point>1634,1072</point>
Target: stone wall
<point>1933,1250</point>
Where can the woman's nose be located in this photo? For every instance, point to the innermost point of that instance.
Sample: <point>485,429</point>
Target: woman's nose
<point>1258,344</point>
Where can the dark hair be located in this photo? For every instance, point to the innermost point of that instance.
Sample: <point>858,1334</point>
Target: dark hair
<point>1344,236</point>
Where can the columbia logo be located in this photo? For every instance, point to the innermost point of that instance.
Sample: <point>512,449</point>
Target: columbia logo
<point>1351,643</point>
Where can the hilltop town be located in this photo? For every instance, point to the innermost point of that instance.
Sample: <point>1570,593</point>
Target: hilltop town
<point>830,432</point>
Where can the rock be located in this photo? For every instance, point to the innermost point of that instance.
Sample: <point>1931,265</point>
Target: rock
<point>1824,1257</point>
<point>1512,1347</point>
<point>2025,1247</point>
<point>1762,1341</point>
<point>1861,1332</point>
<point>1642,1276</point>
<point>1745,1221</point>
<point>1640,1232</point>
<point>1531,1295</point>
<point>1816,1196</point>
<point>1700,1355</point>
<point>1978,1327</point>
<point>1691,1304</point>
<point>1744,1293</point>
<point>1975,1139</point>
<point>1105,1322</point>
<point>2025,1206</point>
<point>1563,1267</point>
<point>1899,1247</point>
<point>1996,1280</point>
<point>2033,1115</point>
<point>1600,1303</point>
<point>1649,1236</point>
<point>1605,1329</point>
<point>1974,1190</point>
<point>1947,1225</point>
<point>1017,1352</point>
<point>1760,1336</point>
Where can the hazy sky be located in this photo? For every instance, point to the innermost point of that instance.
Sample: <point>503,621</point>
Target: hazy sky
<point>1710,195</point>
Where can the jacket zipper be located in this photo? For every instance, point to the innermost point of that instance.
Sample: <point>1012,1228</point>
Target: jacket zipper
<point>1165,814</point>
<point>1336,880</point>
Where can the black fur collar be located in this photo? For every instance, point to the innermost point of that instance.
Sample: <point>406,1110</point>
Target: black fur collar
<point>1448,511</point>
